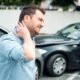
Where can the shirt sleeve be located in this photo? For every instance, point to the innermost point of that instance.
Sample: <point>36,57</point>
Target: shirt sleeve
<point>12,50</point>
<point>17,53</point>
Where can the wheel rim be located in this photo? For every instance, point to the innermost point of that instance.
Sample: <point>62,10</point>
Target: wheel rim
<point>59,65</point>
<point>36,73</point>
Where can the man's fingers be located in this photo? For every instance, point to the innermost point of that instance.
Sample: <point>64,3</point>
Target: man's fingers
<point>20,24</point>
<point>23,24</point>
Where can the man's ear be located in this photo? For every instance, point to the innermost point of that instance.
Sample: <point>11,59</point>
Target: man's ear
<point>26,18</point>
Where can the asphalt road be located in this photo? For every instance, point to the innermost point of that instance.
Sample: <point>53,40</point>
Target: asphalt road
<point>70,75</point>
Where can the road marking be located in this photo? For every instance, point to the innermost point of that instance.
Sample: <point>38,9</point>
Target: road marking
<point>73,76</point>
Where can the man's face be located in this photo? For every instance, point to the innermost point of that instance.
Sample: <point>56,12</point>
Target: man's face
<point>35,23</point>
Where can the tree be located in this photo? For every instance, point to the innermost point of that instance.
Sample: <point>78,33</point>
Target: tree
<point>62,3</point>
<point>21,2</point>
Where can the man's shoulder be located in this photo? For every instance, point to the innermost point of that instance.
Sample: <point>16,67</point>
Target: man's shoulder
<point>8,36</point>
<point>8,41</point>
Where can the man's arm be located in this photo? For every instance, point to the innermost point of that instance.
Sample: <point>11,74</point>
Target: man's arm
<point>29,48</point>
<point>28,45</point>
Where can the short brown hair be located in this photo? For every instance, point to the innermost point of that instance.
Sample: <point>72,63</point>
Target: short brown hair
<point>30,10</point>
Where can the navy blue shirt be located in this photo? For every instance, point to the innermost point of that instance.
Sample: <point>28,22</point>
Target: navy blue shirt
<point>13,65</point>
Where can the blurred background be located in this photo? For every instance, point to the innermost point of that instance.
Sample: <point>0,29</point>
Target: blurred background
<point>59,13</point>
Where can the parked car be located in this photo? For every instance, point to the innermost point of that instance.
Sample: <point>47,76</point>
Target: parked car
<point>62,50</point>
<point>38,61</point>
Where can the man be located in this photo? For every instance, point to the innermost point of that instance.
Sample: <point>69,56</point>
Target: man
<point>17,51</point>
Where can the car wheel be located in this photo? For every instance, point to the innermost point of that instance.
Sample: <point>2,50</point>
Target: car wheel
<point>37,72</point>
<point>56,65</point>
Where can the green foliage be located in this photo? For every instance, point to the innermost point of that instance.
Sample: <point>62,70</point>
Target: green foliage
<point>17,2</point>
<point>20,2</point>
<point>65,4</point>
<point>25,2</point>
<point>1,1</point>
<point>38,2</point>
<point>62,3</point>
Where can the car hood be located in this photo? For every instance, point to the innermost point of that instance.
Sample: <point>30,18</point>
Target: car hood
<point>50,40</point>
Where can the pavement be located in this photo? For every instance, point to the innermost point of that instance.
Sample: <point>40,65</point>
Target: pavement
<point>71,75</point>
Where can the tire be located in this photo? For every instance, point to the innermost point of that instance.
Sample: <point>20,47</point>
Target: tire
<point>37,72</point>
<point>56,65</point>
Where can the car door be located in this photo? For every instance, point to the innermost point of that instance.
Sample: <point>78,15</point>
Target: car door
<point>76,52</point>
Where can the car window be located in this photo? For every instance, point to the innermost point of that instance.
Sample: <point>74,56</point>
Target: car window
<point>75,35</point>
<point>69,30</point>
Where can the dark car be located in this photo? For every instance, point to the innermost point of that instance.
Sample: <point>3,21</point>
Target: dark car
<point>38,60</point>
<point>62,50</point>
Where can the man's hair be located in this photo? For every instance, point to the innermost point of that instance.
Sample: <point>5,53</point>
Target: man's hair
<point>30,10</point>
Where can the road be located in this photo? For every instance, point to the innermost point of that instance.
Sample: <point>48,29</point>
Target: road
<point>73,75</point>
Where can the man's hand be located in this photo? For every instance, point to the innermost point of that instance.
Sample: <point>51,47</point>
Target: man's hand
<point>22,30</point>
<point>28,45</point>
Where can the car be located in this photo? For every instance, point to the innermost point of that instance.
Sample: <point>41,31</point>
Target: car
<point>62,49</point>
<point>38,60</point>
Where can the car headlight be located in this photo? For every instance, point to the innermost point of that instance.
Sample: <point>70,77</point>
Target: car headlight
<point>41,51</point>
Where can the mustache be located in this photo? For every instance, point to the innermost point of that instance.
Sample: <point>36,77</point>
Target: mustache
<point>40,26</point>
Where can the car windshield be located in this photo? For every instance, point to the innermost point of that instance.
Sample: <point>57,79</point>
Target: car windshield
<point>71,31</point>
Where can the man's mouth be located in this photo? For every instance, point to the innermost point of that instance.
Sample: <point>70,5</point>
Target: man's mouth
<point>40,27</point>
